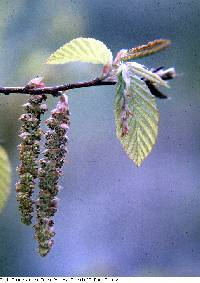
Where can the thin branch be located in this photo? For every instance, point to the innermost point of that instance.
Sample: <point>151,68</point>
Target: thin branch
<point>57,90</point>
<point>54,90</point>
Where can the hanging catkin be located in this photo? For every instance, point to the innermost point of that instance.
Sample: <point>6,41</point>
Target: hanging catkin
<point>29,149</point>
<point>51,164</point>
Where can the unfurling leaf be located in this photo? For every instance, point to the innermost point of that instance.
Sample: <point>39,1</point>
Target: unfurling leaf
<point>136,115</point>
<point>81,49</point>
<point>145,50</point>
<point>143,72</point>
<point>5,177</point>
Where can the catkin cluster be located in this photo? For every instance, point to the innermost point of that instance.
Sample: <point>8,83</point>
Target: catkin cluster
<point>49,173</point>
<point>48,169</point>
<point>29,149</point>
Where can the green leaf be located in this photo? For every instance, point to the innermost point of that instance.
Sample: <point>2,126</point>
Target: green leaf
<point>5,177</point>
<point>136,116</point>
<point>82,49</point>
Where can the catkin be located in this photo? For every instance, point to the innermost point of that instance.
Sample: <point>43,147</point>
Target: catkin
<point>29,149</point>
<point>50,171</point>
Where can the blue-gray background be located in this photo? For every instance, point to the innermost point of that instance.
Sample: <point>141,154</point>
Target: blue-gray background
<point>114,219</point>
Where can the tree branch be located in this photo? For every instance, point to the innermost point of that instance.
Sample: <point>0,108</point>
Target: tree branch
<point>57,90</point>
<point>54,90</point>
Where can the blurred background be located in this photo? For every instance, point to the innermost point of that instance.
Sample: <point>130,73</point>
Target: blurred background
<point>114,219</point>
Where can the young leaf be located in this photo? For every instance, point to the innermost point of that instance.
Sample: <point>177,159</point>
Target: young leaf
<point>136,116</point>
<point>146,50</point>
<point>81,49</point>
<point>5,177</point>
<point>141,71</point>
